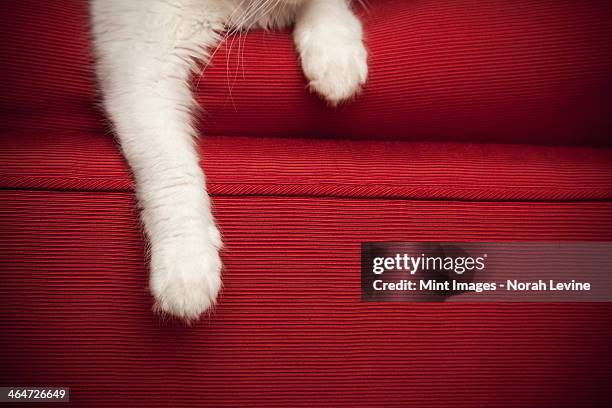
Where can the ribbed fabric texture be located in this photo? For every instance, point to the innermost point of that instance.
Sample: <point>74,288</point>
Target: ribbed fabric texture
<point>519,71</point>
<point>473,71</point>
<point>289,329</point>
<point>247,166</point>
<point>294,199</point>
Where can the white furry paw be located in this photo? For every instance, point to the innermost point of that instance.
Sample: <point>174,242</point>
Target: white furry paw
<point>336,68</point>
<point>186,273</point>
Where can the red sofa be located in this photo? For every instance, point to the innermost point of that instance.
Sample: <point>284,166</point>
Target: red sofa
<point>484,120</point>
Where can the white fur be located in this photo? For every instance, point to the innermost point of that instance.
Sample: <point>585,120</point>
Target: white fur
<point>147,51</point>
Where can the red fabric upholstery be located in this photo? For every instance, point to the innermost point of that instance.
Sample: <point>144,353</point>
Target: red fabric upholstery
<point>490,70</point>
<point>294,198</point>
<point>247,166</point>
<point>472,71</point>
<point>289,329</point>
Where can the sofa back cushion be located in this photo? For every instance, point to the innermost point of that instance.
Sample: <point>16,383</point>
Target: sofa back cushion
<point>525,71</point>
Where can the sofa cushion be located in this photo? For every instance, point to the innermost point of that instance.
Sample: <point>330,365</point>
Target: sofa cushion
<point>290,329</point>
<point>496,71</point>
<point>473,71</point>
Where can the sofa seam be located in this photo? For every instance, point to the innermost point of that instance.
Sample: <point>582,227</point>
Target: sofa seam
<point>330,196</point>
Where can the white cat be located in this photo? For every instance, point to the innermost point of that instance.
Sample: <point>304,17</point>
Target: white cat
<point>146,52</point>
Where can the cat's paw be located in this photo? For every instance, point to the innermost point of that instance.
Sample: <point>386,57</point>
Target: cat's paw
<point>186,274</point>
<point>336,68</point>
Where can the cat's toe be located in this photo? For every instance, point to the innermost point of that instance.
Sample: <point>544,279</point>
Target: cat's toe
<point>185,277</point>
<point>337,71</point>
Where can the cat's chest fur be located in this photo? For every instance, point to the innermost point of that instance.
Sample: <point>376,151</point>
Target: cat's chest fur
<point>270,14</point>
<point>235,15</point>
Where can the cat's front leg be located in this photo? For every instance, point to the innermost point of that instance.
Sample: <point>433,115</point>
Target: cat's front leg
<point>145,55</point>
<point>329,39</point>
